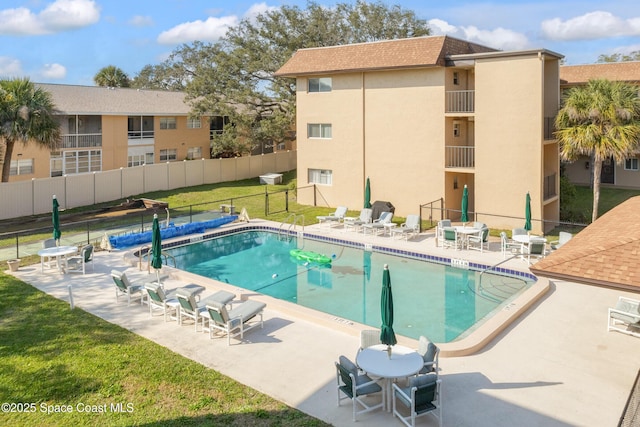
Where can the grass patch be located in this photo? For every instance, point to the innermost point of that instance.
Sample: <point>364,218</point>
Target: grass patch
<point>54,357</point>
<point>582,206</point>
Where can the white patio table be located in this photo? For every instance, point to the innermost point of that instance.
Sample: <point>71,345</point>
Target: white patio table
<point>376,362</point>
<point>57,252</point>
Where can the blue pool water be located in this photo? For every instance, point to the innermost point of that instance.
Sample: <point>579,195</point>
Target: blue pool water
<point>438,301</point>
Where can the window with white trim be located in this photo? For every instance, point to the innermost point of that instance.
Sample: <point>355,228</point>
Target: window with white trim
<point>320,176</point>
<point>194,123</point>
<point>194,153</point>
<point>631,164</point>
<point>75,161</point>
<point>167,123</point>
<point>141,155</point>
<point>319,130</point>
<point>21,167</point>
<point>168,155</point>
<point>322,84</point>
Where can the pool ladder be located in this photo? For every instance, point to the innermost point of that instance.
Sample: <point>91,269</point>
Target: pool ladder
<point>165,258</point>
<point>290,222</point>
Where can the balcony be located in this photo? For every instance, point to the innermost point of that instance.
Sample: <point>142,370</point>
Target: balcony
<point>460,101</point>
<point>459,157</point>
<point>549,186</point>
<point>88,140</point>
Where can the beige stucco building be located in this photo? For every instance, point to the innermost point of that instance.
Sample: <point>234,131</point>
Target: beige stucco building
<point>422,117</point>
<point>109,128</point>
<point>626,174</point>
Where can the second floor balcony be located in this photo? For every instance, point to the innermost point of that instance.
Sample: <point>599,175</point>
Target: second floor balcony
<point>460,101</point>
<point>459,157</point>
<point>86,140</point>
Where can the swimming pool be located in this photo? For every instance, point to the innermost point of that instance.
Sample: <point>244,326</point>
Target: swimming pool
<point>441,302</point>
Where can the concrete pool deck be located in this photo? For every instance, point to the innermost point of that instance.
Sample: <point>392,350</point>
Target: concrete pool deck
<point>555,366</point>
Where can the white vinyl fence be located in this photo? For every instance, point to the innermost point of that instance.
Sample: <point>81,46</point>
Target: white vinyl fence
<point>24,198</point>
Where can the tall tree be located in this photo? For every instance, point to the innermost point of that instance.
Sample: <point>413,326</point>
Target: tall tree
<point>111,76</point>
<point>601,120</point>
<point>235,76</point>
<point>620,57</point>
<point>26,115</point>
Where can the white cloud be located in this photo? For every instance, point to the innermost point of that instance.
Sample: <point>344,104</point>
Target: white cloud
<point>141,21</point>
<point>58,16</point>
<point>592,25</point>
<point>210,30</point>
<point>257,9</point>
<point>207,31</point>
<point>499,38</point>
<point>53,71</point>
<point>10,67</point>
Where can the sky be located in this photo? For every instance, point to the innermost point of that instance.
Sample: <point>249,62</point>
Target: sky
<point>69,41</point>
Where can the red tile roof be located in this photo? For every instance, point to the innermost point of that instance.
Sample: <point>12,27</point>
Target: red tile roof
<point>389,54</point>
<point>607,252</point>
<point>618,71</point>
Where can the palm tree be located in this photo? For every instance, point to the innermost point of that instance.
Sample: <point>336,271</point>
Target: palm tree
<point>26,115</point>
<point>111,76</point>
<point>600,120</point>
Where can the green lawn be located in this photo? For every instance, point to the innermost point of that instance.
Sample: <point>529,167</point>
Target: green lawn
<point>582,206</point>
<point>53,359</point>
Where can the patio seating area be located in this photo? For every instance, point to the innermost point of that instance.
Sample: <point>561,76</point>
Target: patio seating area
<point>502,382</point>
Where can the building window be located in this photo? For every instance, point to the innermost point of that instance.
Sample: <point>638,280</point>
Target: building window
<point>139,127</point>
<point>631,164</point>
<point>167,122</point>
<point>456,129</point>
<point>21,167</point>
<point>168,155</point>
<point>456,78</point>
<point>194,123</point>
<point>320,176</point>
<point>138,156</point>
<point>217,124</point>
<point>73,162</point>
<point>194,153</point>
<point>323,84</point>
<point>319,130</point>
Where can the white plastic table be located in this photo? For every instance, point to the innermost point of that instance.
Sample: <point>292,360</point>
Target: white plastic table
<point>57,252</point>
<point>466,232</point>
<point>375,361</point>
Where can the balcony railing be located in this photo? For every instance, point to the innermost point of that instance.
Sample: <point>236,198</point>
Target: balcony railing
<point>550,186</point>
<point>549,128</point>
<point>459,157</point>
<point>460,101</point>
<point>87,140</point>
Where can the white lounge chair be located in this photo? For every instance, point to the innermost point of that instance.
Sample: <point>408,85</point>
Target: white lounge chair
<point>377,226</point>
<point>408,229</point>
<point>240,318</point>
<point>563,238</point>
<point>440,230</point>
<point>355,223</point>
<point>625,317</point>
<point>334,218</point>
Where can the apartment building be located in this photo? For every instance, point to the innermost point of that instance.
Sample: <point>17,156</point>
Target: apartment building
<point>110,128</point>
<point>422,118</point>
<point>627,174</point>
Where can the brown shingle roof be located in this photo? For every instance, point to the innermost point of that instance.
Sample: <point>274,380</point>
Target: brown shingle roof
<point>617,71</point>
<point>605,253</point>
<point>390,54</point>
<point>72,99</point>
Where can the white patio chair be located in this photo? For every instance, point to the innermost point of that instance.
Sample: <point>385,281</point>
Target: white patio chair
<point>625,317</point>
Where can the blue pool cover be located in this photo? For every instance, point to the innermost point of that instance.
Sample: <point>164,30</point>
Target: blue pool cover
<point>133,239</point>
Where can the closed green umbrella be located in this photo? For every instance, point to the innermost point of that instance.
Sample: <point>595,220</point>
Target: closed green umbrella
<point>465,204</point>
<point>367,194</point>
<point>55,217</point>
<point>387,336</point>
<point>156,246</point>
<point>527,213</point>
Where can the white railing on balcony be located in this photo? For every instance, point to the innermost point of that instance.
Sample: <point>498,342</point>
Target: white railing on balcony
<point>85,140</point>
<point>460,101</point>
<point>459,157</point>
